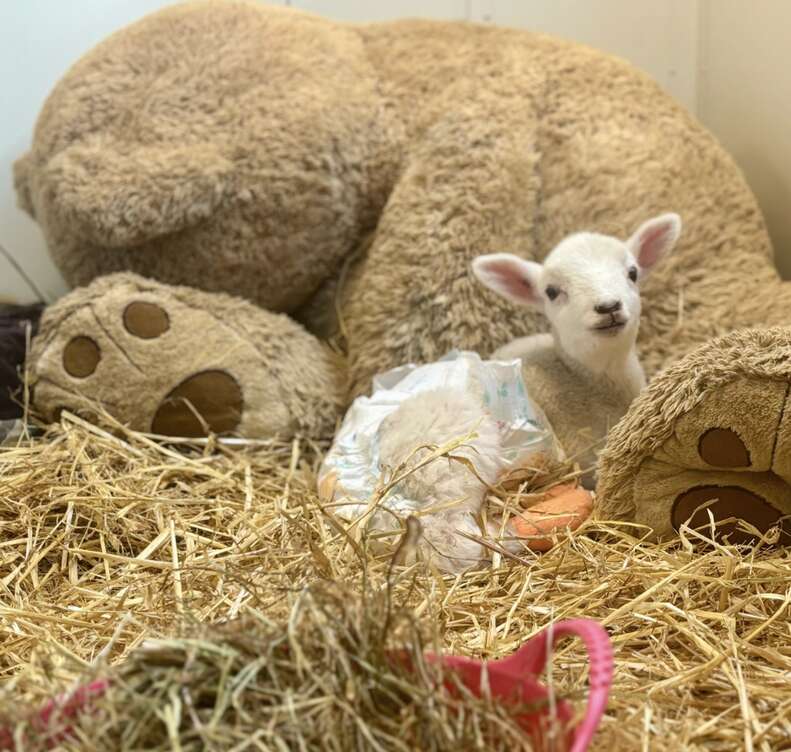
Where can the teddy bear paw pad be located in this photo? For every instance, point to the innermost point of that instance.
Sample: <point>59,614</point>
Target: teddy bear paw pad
<point>212,396</point>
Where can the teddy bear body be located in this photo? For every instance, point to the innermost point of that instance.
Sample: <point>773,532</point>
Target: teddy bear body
<point>238,148</point>
<point>316,168</point>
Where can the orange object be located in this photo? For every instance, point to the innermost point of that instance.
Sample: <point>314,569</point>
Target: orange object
<point>564,507</point>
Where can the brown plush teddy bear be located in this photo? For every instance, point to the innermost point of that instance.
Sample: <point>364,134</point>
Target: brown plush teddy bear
<point>220,171</point>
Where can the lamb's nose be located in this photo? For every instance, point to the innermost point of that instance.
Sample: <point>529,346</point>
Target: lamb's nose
<point>610,306</point>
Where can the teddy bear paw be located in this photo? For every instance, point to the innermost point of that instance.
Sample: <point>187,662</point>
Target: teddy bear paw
<point>726,469</point>
<point>174,361</point>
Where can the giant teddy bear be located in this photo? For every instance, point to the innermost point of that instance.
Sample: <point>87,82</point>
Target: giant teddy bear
<point>230,186</point>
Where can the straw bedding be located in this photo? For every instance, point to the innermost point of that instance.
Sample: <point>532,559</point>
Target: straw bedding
<point>109,539</point>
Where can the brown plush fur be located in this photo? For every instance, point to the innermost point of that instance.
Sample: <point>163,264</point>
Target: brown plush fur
<point>249,150</point>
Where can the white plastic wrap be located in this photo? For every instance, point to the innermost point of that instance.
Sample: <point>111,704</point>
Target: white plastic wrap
<point>352,470</point>
<point>10,431</point>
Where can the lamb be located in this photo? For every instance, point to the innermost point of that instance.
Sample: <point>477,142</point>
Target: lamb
<point>585,372</point>
<point>583,375</point>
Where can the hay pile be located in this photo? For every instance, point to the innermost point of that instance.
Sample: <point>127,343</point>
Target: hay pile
<point>323,680</point>
<point>109,540</point>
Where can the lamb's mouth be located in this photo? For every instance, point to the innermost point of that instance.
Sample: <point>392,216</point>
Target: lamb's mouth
<point>611,327</point>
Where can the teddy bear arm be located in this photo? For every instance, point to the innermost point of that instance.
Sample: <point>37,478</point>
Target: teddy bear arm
<point>413,298</point>
<point>706,446</point>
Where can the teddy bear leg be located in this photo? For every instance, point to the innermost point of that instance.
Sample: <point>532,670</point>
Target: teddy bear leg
<point>181,362</point>
<point>471,187</point>
<point>722,464</point>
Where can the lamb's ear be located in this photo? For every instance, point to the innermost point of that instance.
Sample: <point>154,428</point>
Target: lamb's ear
<point>512,277</point>
<point>120,197</point>
<point>654,239</point>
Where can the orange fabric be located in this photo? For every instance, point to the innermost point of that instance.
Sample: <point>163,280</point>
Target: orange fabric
<point>564,507</point>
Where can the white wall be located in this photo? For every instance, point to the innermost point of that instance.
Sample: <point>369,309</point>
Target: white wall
<point>39,39</point>
<point>745,98</point>
<point>660,37</point>
<point>383,10</point>
<point>740,49</point>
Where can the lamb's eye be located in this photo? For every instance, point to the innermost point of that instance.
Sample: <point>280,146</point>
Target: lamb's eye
<point>633,274</point>
<point>552,292</point>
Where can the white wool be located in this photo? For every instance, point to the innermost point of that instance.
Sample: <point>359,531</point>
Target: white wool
<point>446,494</point>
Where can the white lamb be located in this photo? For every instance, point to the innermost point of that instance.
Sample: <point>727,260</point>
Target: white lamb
<point>585,373</point>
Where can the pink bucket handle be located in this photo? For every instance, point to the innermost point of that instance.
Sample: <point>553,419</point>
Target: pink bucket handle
<point>531,659</point>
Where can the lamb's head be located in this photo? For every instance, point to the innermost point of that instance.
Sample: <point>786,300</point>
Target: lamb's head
<point>588,285</point>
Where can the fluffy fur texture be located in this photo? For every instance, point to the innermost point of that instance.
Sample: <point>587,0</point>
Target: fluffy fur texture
<point>584,374</point>
<point>446,495</point>
<point>260,351</point>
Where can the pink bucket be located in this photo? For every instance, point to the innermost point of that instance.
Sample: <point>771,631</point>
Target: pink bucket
<point>513,680</point>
